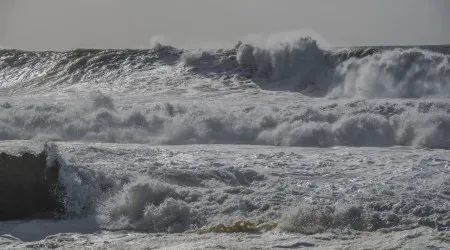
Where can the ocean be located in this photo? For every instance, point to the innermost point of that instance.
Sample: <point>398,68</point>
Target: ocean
<point>268,146</point>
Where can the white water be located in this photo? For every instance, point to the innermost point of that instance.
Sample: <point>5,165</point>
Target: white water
<point>176,188</point>
<point>354,151</point>
<point>289,123</point>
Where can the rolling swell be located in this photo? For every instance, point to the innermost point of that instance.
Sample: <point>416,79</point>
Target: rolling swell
<point>297,65</point>
<point>34,69</point>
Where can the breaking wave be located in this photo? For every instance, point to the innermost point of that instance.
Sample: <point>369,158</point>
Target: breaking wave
<point>298,65</point>
<point>360,123</point>
<point>178,200</point>
<point>155,189</point>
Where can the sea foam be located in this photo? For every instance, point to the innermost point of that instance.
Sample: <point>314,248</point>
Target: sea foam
<point>424,124</point>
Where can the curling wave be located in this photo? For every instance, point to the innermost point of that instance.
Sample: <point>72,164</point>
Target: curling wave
<point>297,65</point>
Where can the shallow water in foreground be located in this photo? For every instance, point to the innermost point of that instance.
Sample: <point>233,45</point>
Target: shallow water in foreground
<point>366,195</point>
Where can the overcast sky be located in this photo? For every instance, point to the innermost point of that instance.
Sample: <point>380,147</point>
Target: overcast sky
<point>67,24</point>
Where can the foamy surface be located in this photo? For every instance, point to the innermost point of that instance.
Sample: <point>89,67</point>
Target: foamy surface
<point>277,145</point>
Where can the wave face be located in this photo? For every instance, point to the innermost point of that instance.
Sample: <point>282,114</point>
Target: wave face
<point>299,65</point>
<point>359,123</point>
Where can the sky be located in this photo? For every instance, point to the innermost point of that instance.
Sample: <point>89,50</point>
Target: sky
<point>69,24</point>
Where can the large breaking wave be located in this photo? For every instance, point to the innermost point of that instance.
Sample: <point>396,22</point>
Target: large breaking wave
<point>360,123</point>
<point>153,189</point>
<point>298,64</point>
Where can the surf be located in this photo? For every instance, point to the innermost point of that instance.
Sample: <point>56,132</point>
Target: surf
<point>299,65</point>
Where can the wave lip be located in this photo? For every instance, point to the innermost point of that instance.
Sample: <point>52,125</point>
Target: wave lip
<point>354,72</point>
<point>297,65</point>
<point>146,205</point>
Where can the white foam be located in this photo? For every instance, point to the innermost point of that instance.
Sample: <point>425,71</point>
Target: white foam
<point>145,205</point>
<point>82,187</point>
<point>399,73</point>
<point>298,62</point>
<point>364,124</point>
<point>285,61</point>
<point>410,73</point>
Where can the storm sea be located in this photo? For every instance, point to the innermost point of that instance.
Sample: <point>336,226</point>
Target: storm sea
<point>285,144</point>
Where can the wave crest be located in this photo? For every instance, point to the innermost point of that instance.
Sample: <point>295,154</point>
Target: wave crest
<point>298,65</point>
<point>408,73</point>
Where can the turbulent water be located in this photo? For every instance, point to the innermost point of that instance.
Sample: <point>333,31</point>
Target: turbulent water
<point>348,145</point>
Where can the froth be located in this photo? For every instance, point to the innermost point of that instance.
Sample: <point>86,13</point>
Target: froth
<point>354,124</point>
<point>145,205</point>
<point>408,73</point>
<point>397,73</point>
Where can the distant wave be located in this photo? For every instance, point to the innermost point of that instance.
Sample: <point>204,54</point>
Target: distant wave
<point>297,65</point>
<point>422,124</point>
